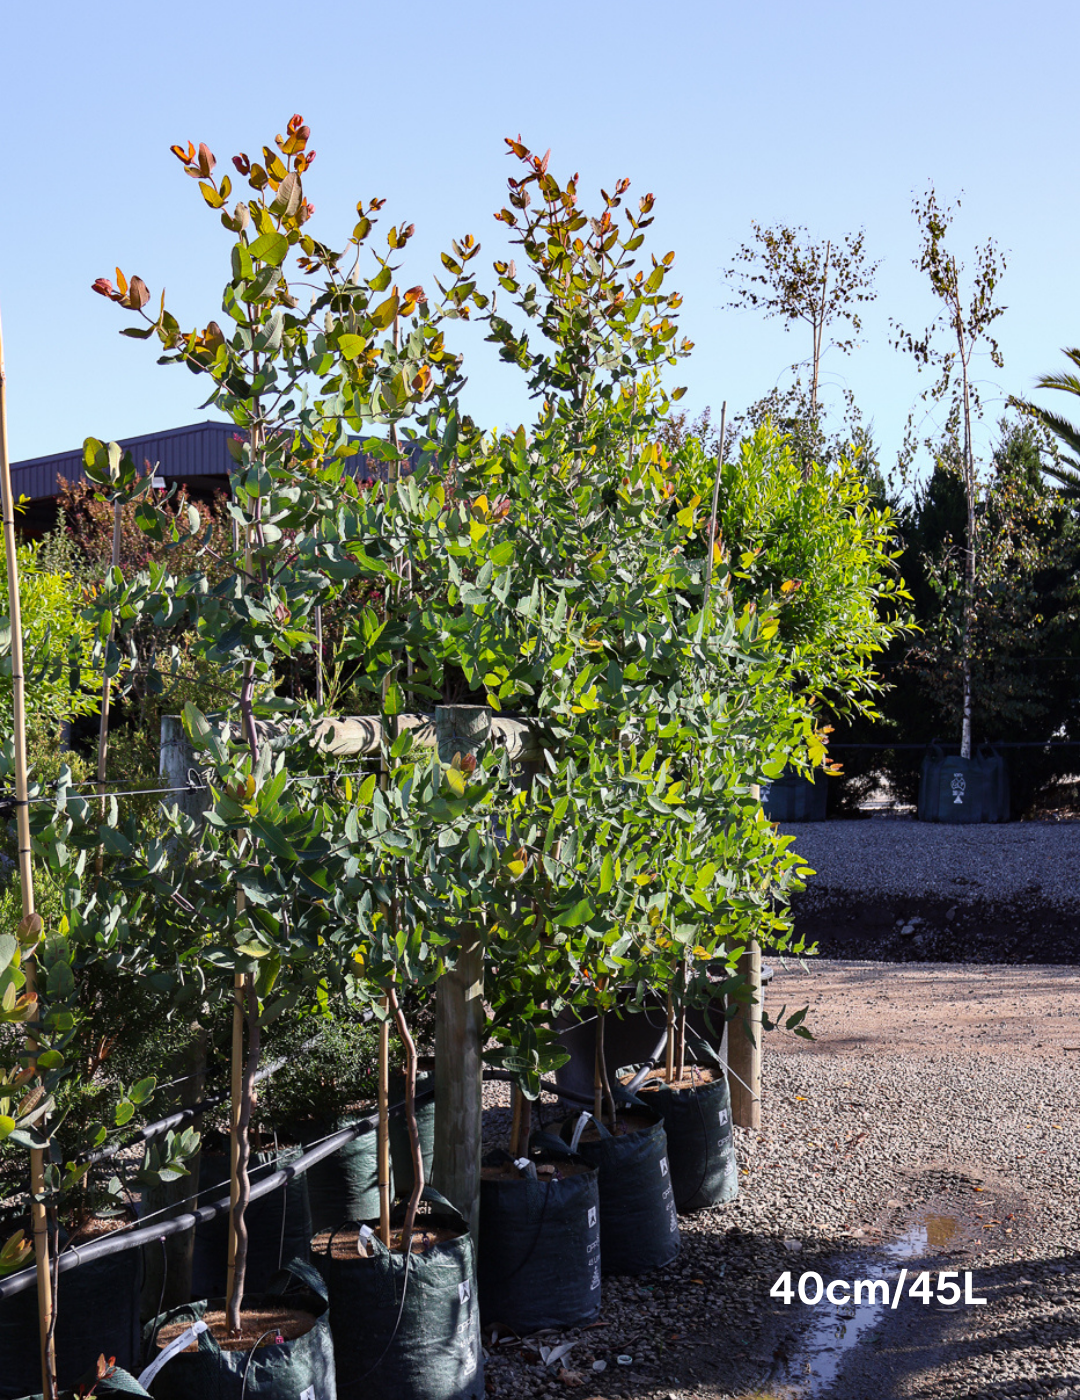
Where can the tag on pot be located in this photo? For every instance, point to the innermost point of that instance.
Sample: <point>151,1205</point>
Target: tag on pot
<point>178,1344</point>
<point>579,1128</point>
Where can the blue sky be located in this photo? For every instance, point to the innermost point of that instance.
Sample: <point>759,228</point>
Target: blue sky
<point>831,115</point>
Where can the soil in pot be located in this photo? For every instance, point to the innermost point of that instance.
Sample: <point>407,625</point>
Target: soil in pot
<point>639,1227</point>
<point>538,1262</point>
<point>97,1314</point>
<point>701,1144</point>
<point>279,1224</point>
<point>405,1326</point>
<point>284,1351</point>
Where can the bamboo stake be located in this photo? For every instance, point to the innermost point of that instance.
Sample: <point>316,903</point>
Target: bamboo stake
<point>38,1214</point>
<point>715,508</point>
<point>236,1076</point>
<point>106,687</point>
<point>598,1081</point>
<point>416,1150</point>
<point>516,1097</point>
<point>669,1049</point>
<point>383,1168</point>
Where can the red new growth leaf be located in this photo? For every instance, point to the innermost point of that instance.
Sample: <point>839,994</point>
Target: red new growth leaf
<point>242,163</point>
<point>106,289</point>
<point>207,160</point>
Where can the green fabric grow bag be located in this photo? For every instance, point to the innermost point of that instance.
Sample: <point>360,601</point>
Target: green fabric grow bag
<point>300,1369</point>
<point>279,1224</point>
<point>407,1327</point>
<point>700,1140</point>
<point>796,797</point>
<point>117,1382</point>
<point>963,790</point>
<point>538,1261</point>
<point>400,1149</point>
<point>345,1185</point>
<point>97,1314</point>
<point>639,1226</point>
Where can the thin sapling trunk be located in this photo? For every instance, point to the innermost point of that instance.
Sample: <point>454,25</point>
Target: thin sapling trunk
<point>669,1044</point>
<point>604,1088</point>
<point>243,1156</point>
<point>415,1148</point>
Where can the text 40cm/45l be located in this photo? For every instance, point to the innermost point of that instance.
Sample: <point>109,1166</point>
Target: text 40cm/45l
<point>811,1288</point>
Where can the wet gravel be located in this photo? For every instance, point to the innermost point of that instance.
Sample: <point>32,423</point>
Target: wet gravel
<point>898,856</point>
<point>854,1151</point>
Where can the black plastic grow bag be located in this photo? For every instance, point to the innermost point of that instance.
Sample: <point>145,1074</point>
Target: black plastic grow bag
<point>279,1225</point>
<point>407,1327</point>
<point>538,1260</point>
<point>97,1314</point>
<point>639,1226</point>
<point>300,1369</point>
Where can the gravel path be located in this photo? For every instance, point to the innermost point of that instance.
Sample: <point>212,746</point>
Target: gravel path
<point>917,1099</point>
<point>899,856</point>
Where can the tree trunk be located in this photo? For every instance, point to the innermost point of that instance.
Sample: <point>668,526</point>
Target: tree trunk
<point>243,1157</point>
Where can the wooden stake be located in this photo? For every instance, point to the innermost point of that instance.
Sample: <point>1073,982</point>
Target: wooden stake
<point>106,687</point>
<point>236,1082</point>
<point>744,1046</point>
<point>516,1097</point>
<point>416,1150</point>
<point>38,1215</point>
<point>383,1144</point>
<point>669,1051</point>
<point>713,512</point>
<point>459,1015</point>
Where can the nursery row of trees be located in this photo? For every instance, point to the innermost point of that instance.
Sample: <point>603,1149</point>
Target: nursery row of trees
<point>669,625</point>
<point>987,519</point>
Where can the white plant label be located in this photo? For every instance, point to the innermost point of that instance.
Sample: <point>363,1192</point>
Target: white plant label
<point>592,1217</point>
<point>464,1291</point>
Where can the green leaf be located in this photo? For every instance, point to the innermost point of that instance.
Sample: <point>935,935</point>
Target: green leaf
<point>9,946</point>
<point>270,247</point>
<point>50,1059</point>
<point>7,1125</point>
<point>274,840</point>
<point>142,1091</point>
<point>574,917</point>
<point>607,874</point>
<point>125,1112</point>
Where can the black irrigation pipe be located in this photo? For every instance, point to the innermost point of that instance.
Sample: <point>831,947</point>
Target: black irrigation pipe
<point>122,1240</point>
<point>1003,744</point>
<point>195,1110</point>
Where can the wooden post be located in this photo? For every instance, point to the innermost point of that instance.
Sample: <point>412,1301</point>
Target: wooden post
<point>744,1046</point>
<point>38,1217</point>
<point>459,1016</point>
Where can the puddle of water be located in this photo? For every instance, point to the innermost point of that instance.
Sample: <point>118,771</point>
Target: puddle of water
<point>835,1330</point>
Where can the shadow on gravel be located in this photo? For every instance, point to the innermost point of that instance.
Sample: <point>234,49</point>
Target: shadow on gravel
<point>932,1352</point>
<point>987,930</point>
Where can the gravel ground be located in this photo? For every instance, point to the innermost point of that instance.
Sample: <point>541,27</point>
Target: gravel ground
<point>901,857</point>
<point>962,1116</point>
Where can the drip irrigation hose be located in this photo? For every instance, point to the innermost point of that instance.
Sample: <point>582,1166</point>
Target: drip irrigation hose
<point>124,1239</point>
